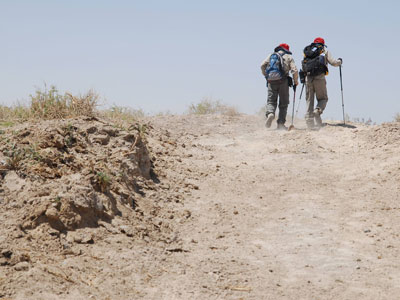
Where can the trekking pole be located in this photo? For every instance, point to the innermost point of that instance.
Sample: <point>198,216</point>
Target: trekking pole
<point>298,104</point>
<point>302,88</point>
<point>341,87</point>
<point>294,99</point>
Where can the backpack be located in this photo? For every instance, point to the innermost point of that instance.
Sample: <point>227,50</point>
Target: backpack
<point>274,69</point>
<point>314,63</point>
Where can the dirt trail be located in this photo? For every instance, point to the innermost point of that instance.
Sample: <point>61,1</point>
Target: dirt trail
<point>251,214</point>
<point>288,215</point>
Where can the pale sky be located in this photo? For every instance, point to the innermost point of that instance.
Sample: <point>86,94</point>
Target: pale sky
<point>164,55</point>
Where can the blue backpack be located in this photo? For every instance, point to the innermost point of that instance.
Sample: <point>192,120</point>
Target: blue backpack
<point>274,69</point>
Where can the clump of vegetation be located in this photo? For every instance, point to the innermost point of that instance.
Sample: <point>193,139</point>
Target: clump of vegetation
<point>104,181</point>
<point>6,124</point>
<point>13,113</point>
<point>210,106</point>
<point>363,121</point>
<point>397,117</point>
<point>122,115</point>
<point>359,120</point>
<point>32,153</point>
<point>50,104</point>
<point>164,113</point>
<point>15,156</point>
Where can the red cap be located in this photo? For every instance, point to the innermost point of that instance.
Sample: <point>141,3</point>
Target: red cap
<point>285,46</point>
<point>319,40</point>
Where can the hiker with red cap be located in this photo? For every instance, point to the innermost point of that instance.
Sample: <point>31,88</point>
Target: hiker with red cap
<point>315,68</point>
<point>276,68</point>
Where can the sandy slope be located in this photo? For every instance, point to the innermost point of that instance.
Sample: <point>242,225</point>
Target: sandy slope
<point>269,215</point>
<point>289,215</point>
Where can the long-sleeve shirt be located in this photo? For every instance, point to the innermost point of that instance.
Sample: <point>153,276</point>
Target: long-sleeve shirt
<point>288,65</point>
<point>329,59</point>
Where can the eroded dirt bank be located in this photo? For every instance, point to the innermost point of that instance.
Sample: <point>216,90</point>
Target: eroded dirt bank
<point>230,211</point>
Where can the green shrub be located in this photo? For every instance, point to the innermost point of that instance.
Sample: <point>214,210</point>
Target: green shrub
<point>104,181</point>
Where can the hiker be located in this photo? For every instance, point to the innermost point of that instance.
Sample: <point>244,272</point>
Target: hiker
<point>276,70</point>
<point>315,67</point>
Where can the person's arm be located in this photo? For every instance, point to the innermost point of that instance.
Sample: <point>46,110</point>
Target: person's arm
<point>293,70</point>
<point>264,66</point>
<point>332,61</point>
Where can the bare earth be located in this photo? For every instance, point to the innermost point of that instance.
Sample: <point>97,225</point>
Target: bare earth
<point>236,212</point>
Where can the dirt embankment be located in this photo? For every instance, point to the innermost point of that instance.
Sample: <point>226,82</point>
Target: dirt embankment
<point>199,207</point>
<point>68,184</point>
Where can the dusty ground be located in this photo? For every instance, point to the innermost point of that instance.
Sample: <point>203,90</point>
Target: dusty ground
<point>236,212</point>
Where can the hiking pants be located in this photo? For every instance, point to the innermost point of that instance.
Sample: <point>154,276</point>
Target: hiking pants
<point>315,86</point>
<point>280,89</point>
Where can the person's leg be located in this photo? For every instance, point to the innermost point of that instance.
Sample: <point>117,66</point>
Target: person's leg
<point>273,92</point>
<point>283,101</point>
<point>310,102</point>
<point>322,98</point>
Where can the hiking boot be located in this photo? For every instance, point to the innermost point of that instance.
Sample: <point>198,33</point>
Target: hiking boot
<point>270,118</point>
<point>317,117</point>
<point>281,127</point>
<point>310,124</point>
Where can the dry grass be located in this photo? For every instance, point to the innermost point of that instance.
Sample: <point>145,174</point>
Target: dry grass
<point>362,121</point>
<point>15,112</point>
<point>210,106</point>
<point>50,104</point>
<point>126,114</point>
<point>122,116</point>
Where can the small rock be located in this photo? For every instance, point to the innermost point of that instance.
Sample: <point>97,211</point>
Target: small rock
<point>53,232</point>
<point>91,130</point>
<point>187,214</point>
<point>129,137</point>
<point>52,213</point>
<point>141,228</point>
<point>127,230</point>
<point>367,230</point>
<point>109,131</point>
<point>6,253</point>
<point>22,266</point>
<point>79,238</point>
<point>101,139</point>
<point>87,239</point>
